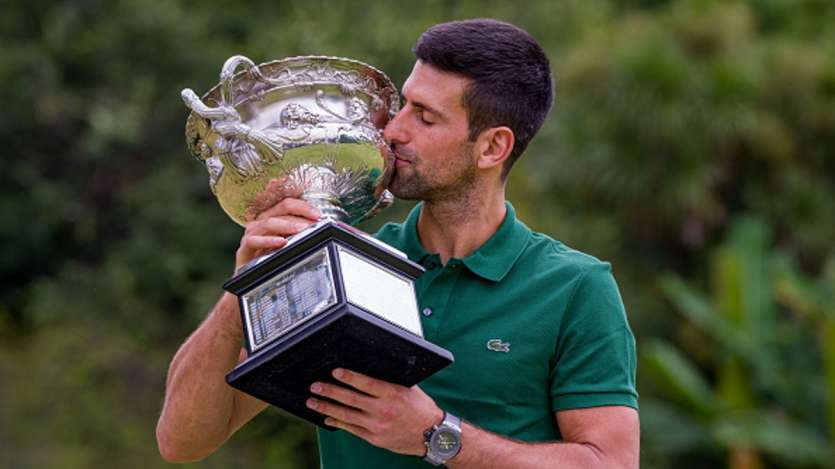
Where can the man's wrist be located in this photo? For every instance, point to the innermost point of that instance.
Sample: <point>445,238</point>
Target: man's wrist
<point>443,441</point>
<point>228,314</point>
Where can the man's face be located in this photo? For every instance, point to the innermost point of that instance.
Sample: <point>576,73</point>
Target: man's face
<point>429,136</point>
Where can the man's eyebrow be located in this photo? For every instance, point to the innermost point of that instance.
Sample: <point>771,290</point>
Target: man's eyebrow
<point>426,107</point>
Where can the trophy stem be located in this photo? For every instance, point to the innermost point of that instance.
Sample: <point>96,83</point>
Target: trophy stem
<point>327,204</point>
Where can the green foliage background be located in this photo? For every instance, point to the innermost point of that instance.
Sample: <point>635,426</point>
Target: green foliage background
<point>691,145</point>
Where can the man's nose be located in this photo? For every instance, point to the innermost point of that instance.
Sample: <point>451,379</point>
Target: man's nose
<point>394,131</point>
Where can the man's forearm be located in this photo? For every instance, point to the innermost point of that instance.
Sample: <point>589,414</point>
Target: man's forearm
<point>483,449</point>
<point>199,405</point>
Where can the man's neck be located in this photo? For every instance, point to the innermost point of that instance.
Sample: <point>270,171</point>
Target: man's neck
<point>455,228</point>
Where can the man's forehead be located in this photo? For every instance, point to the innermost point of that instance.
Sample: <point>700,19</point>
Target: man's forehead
<point>431,86</point>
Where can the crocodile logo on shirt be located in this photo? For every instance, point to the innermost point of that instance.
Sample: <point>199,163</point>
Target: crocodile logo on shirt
<point>496,345</point>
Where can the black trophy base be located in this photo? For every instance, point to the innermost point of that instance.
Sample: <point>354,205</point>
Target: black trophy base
<point>280,370</point>
<point>346,337</point>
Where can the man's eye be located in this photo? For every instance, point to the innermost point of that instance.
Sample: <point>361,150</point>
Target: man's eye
<point>423,119</point>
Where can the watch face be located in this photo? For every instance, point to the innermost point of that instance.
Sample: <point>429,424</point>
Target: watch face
<point>446,441</point>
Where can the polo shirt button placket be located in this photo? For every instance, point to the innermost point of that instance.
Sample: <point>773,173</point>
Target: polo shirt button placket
<point>427,312</point>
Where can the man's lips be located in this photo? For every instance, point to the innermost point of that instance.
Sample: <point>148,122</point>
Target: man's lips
<point>403,156</point>
<point>400,162</point>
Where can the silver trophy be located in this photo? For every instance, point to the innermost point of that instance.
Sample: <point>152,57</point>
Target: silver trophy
<point>310,127</point>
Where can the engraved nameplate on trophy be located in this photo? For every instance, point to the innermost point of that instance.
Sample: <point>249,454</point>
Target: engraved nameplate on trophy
<point>287,299</point>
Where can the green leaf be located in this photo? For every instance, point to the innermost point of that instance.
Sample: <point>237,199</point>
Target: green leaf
<point>776,435</point>
<point>697,310</point>
<point>677,377</point>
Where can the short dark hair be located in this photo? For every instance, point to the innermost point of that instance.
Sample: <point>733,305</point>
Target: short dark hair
<point>511,82</point>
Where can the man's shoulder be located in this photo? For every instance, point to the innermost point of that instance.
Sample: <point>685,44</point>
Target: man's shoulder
<point>551,255</point>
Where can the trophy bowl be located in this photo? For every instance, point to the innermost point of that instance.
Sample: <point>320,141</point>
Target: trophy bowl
<point>307,127</point>
<point>333,296</point>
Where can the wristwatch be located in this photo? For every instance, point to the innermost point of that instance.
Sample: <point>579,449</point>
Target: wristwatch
<point>443,441</point>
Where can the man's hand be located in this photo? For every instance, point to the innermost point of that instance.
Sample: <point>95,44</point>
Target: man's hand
<point>386,415</point>
<point>271,228</point>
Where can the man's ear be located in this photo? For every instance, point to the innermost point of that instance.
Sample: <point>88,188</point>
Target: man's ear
<point>494,146</point>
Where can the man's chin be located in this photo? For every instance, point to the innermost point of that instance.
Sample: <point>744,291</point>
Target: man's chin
<point>401,190</point>
<point>403,195</point>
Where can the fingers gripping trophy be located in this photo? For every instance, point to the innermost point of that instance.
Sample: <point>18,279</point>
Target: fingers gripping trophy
<point>333,296</point>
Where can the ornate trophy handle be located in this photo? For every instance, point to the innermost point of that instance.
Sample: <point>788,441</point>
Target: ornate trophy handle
<point>227,74</point>
<point>226,121</point>
<point>225,113</point>
<point>220,113</point>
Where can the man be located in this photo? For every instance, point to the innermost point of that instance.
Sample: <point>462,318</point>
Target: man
<point>545,360</point>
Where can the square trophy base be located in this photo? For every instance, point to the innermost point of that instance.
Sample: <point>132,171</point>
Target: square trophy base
<point>333,297</point>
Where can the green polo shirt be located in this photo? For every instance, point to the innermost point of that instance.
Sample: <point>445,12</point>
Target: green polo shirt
<point>535,326</point>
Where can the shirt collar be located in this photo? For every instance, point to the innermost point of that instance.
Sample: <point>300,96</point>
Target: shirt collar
<point>492,260</point>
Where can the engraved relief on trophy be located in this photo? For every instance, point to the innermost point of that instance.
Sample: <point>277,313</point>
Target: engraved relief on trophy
<point>294,115</point>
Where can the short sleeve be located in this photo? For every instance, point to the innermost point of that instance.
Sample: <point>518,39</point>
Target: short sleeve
<point>594,364</point>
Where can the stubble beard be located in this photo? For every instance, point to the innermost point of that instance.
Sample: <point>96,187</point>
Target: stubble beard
<point>456,182</point>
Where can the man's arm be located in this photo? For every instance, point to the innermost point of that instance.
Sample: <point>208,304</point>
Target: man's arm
<point>394,417</point>
<point>597,437</point>
<point>201,411</point>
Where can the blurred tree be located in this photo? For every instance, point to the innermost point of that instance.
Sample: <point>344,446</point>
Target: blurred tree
<point>738,335</point>
<point>668,124</point>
